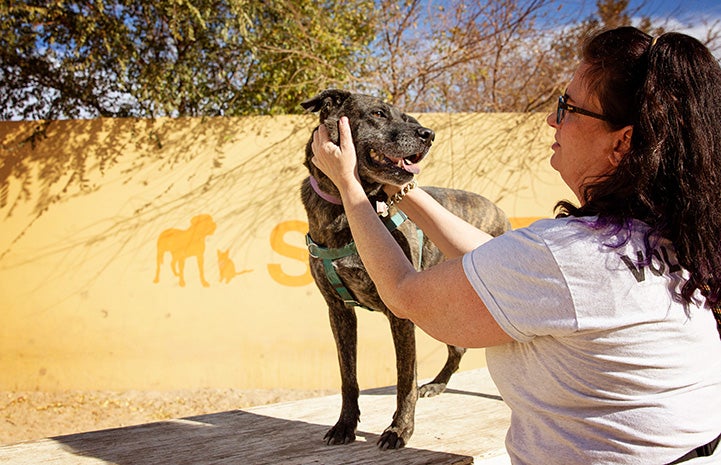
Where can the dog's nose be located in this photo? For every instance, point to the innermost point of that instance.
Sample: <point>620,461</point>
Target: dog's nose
<point>426,134</point>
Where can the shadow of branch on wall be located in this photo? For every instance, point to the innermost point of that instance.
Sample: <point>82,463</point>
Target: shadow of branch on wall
<point>239,170</point>
<point>172,169</point>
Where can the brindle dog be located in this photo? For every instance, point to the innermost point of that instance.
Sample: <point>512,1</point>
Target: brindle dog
<point>388,144</point>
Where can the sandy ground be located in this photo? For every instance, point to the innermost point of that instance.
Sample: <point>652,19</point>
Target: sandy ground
<point>26,416</point>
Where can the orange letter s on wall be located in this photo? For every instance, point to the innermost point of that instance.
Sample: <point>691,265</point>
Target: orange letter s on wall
<point>278,244</point>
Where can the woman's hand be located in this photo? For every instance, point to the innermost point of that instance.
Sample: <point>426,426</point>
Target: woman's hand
<point>339,163</point>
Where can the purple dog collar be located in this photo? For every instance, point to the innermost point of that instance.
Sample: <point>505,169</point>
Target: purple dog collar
<point>327,197</point>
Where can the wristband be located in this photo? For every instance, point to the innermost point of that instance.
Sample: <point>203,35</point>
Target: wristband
<point>398,196</point>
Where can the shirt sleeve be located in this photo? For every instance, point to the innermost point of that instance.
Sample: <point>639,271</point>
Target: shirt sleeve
<point>521,284</point>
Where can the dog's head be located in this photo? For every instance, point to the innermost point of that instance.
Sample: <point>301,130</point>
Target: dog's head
<point>389,144</point>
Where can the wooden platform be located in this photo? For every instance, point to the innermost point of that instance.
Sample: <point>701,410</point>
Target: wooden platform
<point>464,425</point>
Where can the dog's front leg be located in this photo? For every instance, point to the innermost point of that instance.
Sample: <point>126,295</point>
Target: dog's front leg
<point>344,324</point>
<point>401,429</point>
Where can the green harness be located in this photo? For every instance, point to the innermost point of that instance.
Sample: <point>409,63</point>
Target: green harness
<point>330,255</point>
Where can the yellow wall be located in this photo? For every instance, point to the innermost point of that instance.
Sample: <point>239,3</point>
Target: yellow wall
<point>81,310</point>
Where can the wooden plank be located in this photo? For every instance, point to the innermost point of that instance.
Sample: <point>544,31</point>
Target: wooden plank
<point>465,425</point>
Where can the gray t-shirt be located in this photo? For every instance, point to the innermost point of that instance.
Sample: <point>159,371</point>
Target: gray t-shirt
<point>607,366</point>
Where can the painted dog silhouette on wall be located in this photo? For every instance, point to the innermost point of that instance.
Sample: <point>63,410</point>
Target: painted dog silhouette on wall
<point>185,243</point>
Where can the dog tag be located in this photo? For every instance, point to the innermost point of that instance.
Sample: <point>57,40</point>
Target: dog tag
<point>382,208</point>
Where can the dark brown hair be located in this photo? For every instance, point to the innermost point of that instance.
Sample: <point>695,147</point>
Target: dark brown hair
<point>669,90</point>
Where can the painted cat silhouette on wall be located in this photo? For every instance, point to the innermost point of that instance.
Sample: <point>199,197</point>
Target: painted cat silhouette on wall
<point>227,267</point>
<point>185,243</point>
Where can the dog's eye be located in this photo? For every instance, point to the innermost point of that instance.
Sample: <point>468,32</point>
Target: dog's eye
<point>379,114</point>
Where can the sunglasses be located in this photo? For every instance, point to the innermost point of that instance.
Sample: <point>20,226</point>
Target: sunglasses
<point>564,106</point>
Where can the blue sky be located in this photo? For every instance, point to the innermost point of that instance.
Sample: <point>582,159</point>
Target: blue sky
<point>688,16</point>
<point>661,8</point>
<point>692,17</point>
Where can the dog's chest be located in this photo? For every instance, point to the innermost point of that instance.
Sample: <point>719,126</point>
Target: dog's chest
<point>353,278</point>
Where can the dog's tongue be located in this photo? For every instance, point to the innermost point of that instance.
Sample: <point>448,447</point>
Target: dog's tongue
<point>411,167</point>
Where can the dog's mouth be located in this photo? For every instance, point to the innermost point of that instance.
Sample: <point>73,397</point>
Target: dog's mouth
<point>409,164</point>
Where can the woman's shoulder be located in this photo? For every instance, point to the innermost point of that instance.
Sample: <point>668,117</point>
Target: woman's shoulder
<point>572,227</point>
<point>538,238</point>
<point>589,226</point>
<point>569,234</point>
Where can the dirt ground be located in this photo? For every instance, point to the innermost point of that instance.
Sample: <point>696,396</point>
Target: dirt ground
<point>25,416</point>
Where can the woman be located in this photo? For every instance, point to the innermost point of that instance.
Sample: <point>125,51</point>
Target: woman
<point>598,324</point>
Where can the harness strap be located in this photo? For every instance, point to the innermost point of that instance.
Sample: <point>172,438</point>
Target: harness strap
<point>329,255</point>
<point>337,283</point>
<point>319,251</point>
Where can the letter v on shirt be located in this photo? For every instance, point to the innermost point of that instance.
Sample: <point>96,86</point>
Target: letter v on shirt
<point>658,263</point>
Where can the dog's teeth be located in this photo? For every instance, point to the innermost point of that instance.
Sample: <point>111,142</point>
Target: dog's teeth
<point>400,163</point>
<point>376,156</point>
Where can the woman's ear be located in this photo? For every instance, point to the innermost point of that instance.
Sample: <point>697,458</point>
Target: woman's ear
<point>622,145</point>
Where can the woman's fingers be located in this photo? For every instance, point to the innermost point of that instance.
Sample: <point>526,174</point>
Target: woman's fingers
<point>346,138</point>
<point>337,162</point>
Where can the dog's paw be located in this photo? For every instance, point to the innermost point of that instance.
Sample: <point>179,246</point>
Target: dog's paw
<point>394,438</point>
<point>431,389</point>
<point>340,434</point>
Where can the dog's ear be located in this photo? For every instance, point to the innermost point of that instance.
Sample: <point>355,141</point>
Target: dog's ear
<point>326,102</point>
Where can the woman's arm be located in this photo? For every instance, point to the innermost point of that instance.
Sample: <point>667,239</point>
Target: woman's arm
<point>440,300</point>
<point>452,234</point>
